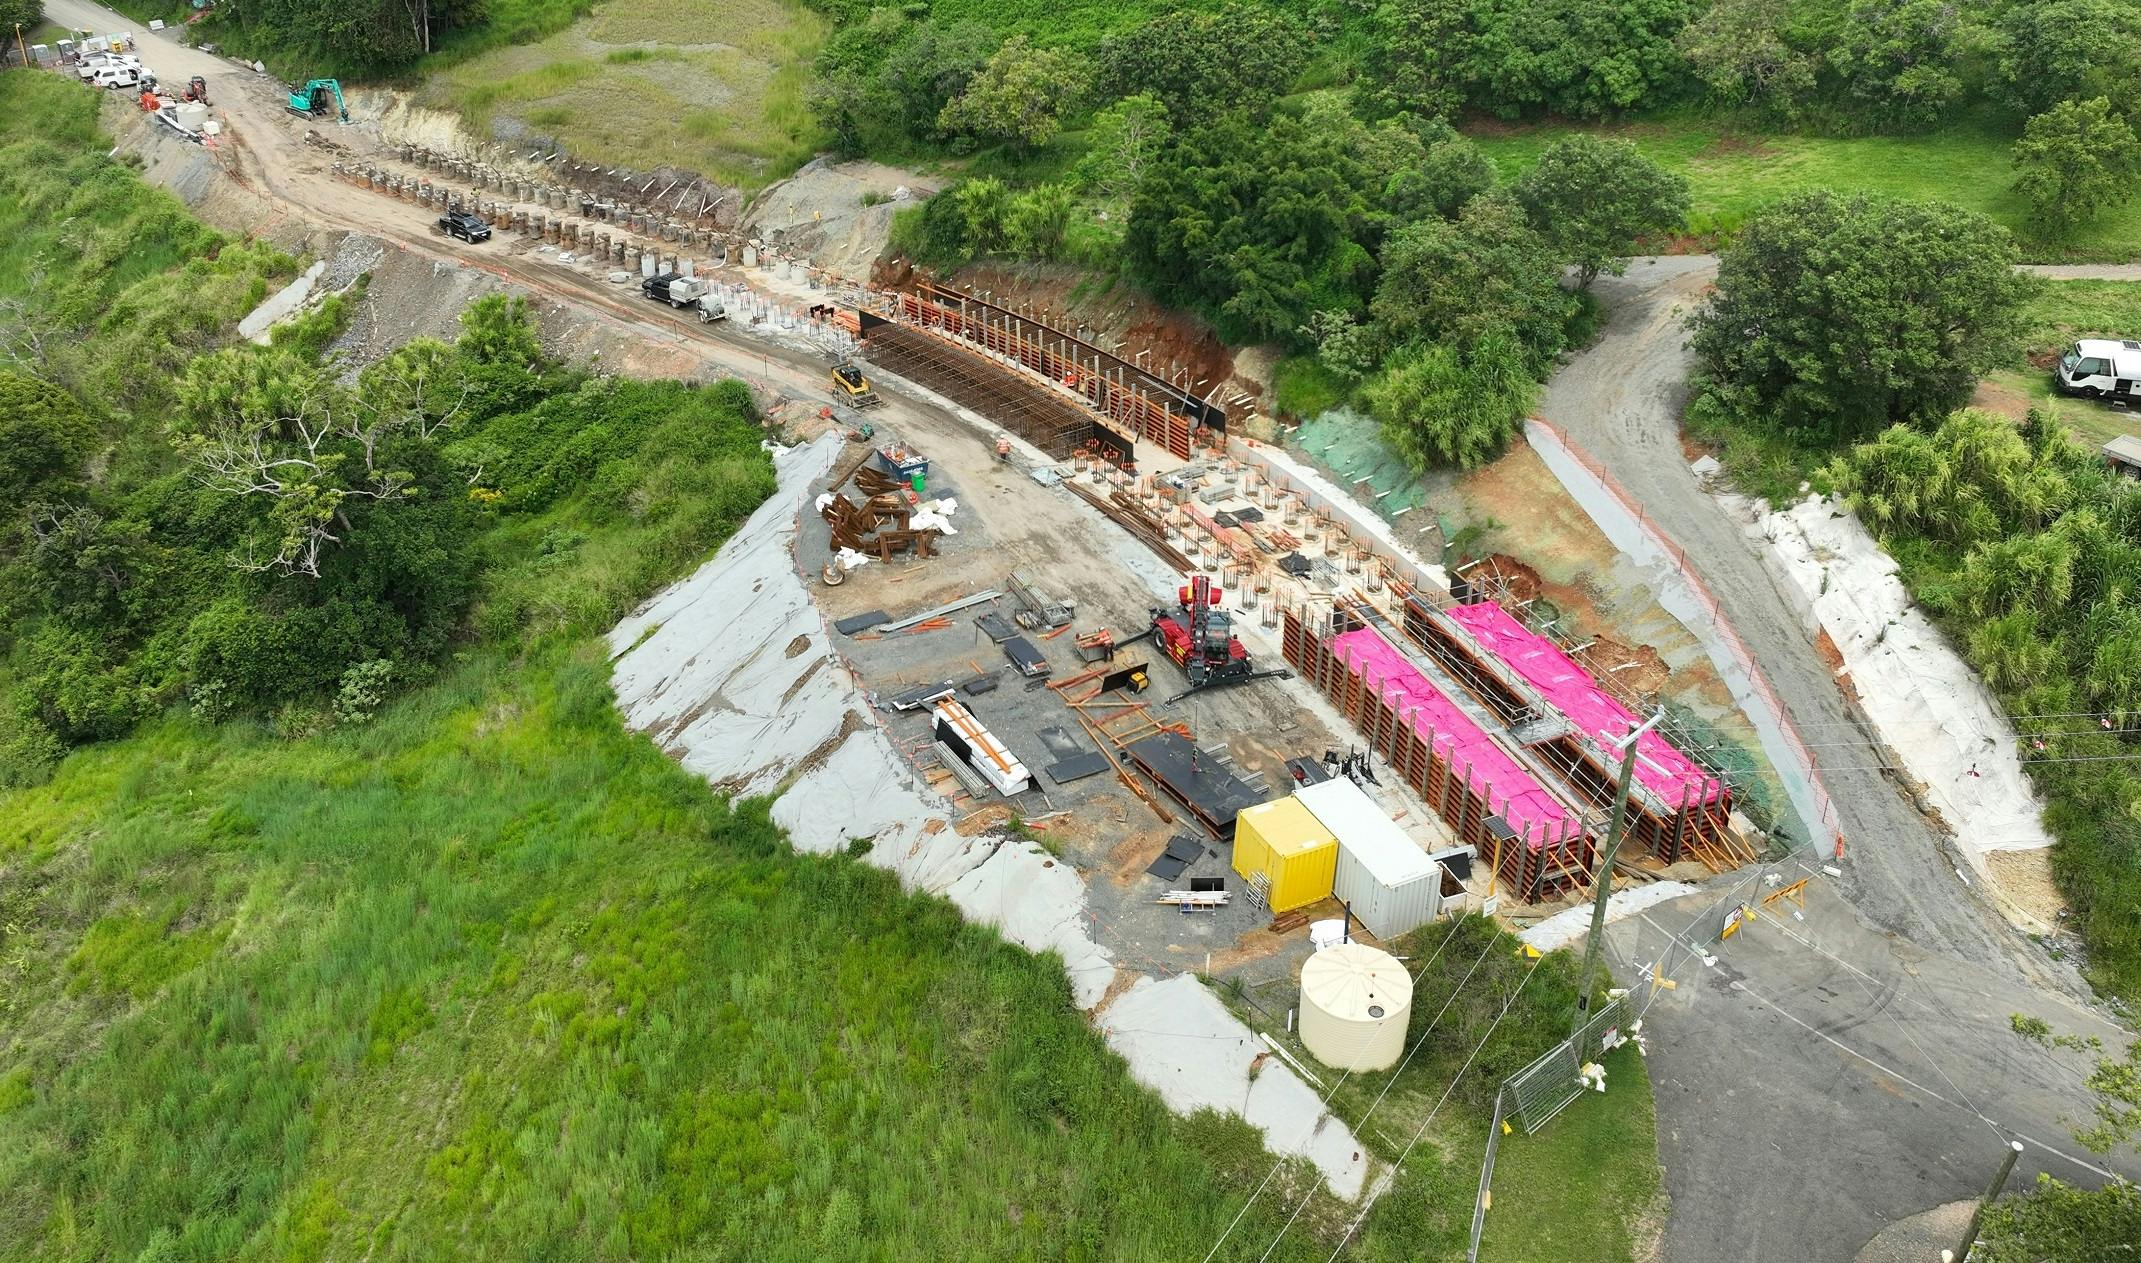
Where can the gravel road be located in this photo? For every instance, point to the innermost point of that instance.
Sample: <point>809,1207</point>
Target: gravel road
<point>1620,400</point>
<point>1793,1115</point>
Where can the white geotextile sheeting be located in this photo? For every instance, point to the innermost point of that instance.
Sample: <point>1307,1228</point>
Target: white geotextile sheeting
<point>732,672</point>
<point>1184,1044</point>
<point>1928,705</point>
<point>1570,924</point>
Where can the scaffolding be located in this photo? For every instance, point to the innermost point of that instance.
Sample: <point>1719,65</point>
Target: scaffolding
<point>1531,865</point>
<point>1697,825</point>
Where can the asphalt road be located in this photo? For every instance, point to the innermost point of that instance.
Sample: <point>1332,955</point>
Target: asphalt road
<point>1825,1079</point>
<point>1620,400</point>
<point>1796,1113</point>
<point>1809,1094</point>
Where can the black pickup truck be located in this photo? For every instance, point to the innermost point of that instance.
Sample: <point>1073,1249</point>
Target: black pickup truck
<point>465,226</point>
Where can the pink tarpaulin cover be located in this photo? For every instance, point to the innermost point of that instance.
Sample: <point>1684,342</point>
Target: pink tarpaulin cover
<point>1664,770</point>
<point>1508,789</point>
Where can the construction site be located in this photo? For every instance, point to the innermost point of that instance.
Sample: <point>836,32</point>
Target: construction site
<point>1036,624</point>
<point>1206,685</point>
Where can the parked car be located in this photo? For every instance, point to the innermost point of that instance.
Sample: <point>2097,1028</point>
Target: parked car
<point>2101,368</point>
<point>673,288</point>
<point>117,76</point>
<point>90,65</point>
<point>465,226</point>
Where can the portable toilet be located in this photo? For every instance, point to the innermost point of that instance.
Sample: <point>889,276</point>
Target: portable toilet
<point>1355,1003</point>
<point>1389,883</point>
<point>1281,848</point>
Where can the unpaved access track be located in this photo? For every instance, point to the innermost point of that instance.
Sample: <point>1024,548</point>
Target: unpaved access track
<point>1833,1072</point>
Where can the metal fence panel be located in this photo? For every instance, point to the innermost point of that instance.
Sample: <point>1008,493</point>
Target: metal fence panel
<point>1546,1086</point>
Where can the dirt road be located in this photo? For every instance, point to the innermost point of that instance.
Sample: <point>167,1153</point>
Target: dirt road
<point>1621,400</point>
<point>1785,1083</point>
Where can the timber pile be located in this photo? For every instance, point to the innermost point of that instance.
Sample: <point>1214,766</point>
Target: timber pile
<point>878,525</point>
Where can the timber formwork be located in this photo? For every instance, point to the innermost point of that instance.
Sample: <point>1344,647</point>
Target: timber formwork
<point>1697,826</point>
<point>1135,405</point>
<point>1056,425</point>
<point>1530,867</point>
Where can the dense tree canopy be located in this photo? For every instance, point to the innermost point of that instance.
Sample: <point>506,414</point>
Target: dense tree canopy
<point>2071,49</point>
<point>23,13</point>
<point>1460,282</point>
<point>1200,65</point>
<point>1253,225</point>
<point>1896,60</point>
<point>1019,96</point>
<point>1847,315</point>
<point>334,37</point>
<point>1585,58</point>
<point>1592,199</point>
<point>45,439</point>
<point>2073,161</point>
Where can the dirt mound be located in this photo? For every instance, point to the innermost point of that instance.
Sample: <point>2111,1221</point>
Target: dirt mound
<point>1518,582</point>
<point>1632,669</point>
<point>837,214</point>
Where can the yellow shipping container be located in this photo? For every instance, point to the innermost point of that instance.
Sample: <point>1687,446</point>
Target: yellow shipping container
<point>1283,842</point>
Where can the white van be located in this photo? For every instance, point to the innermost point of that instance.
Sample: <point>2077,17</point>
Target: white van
<point>117,76</point>
<point>2100,368</point>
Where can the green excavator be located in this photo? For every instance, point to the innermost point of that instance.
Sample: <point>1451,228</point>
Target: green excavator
<point>317,98</point>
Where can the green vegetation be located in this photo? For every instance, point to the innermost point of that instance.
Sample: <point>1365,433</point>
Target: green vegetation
<point>1591,199</point>
<point>2055,1220</point>
<point>239,529</point>
<point>2016,539</point>
<point>379,937</point>
<point>1735,170</point>
<point>2025,548</point>
<point>618,83</point>
<point>1553,1178</point>
<point>2059,1221</point>
<point>489,978</point>
<point>1843,317</point>
<point>2074,161</point>
<point>2055,316</point>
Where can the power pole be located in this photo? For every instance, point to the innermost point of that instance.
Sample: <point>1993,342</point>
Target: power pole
<point>2007,1167</point>
<point>1602,879</point>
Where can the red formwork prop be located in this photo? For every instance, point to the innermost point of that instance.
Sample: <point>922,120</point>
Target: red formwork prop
<point>1530,866</point>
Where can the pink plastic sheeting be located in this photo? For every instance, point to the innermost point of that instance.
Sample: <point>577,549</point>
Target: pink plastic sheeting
<point>1665,771</point>
<point>1530,811</point>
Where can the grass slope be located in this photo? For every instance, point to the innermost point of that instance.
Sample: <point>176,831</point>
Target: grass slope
<point>1734,173</point>
<point>705,85</point>
<point>492,978</point>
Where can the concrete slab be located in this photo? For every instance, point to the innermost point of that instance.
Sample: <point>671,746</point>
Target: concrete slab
<point>734,672</point>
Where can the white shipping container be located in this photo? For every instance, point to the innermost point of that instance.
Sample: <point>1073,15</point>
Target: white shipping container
<point>1383,875</point>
